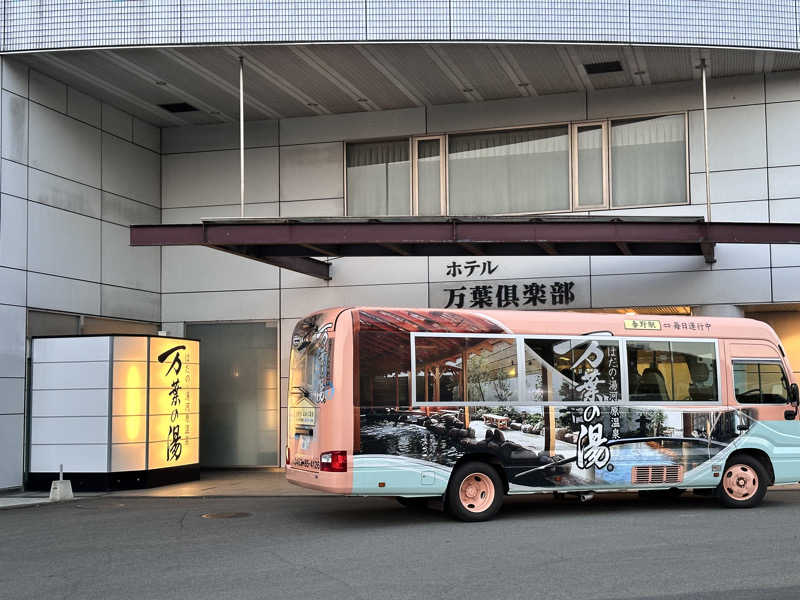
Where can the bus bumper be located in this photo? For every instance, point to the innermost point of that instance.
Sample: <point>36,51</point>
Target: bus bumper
<point>334,483</point>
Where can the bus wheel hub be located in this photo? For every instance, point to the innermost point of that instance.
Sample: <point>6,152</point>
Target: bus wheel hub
<point>740,482</point>
<point>476,492</point>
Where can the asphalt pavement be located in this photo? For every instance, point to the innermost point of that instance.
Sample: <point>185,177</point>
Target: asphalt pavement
<point>615,547</point>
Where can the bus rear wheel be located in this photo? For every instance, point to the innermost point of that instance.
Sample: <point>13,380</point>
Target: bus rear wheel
<point>475,492</point>
<point>743,484</point>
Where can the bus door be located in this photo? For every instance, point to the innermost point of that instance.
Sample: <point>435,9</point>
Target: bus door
<point>759,381</point>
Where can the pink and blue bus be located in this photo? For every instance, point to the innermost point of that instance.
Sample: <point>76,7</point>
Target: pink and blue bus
<point>469,406</point>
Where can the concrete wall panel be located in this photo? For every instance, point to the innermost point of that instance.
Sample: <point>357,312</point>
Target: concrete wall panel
<point>64,193</point>
<point>60,293</point>
<point>312,171</point>
<point>14,127</point>
<point>14,179</point>
<point>353,126</point>
<point>47,91</point>
<point>83,107</point>
<point>12,286</point>
<point>13,232</point>
<point>11,436</point>
<point>131,171</point>
<point>64,146</point>
<point>220,306</point>
<point>63,243</point>
<point>212,178</point>
<point>691,287</point>
<point>12,395</point>
<point>116,122</point>
<point>296,303</point>
<point>125,266</point>
<point>124,211</point>
<point>736,139</point>
<point>730,186</point>
<point>126,303</point>
<point>194,269</point>
<point>12,341</point>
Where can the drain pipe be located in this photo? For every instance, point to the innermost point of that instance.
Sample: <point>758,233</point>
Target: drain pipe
<point>705,140</point>
<point>241,134</point>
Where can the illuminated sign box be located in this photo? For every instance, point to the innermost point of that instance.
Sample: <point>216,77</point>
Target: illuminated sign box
<point>115,411</point>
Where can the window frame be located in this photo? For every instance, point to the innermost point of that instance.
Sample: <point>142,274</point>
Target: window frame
<point>574,165</point>
<point>759,361</point>
<point>718,402</point>
<point>688,201</point>
<point>572,131</point>
<point>345,199</point>
<point>522,371</point>
<point>444,196</point>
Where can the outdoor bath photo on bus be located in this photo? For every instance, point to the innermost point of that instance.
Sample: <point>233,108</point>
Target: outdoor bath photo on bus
<point>469,406</point>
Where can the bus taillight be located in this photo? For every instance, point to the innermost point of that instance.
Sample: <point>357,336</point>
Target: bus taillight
<point>288,455</point>
<point>334,461</point>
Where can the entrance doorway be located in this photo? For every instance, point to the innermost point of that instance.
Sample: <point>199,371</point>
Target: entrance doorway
<point>239,397</point>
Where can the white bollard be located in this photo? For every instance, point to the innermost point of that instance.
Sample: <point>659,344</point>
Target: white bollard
<point>61,490</point>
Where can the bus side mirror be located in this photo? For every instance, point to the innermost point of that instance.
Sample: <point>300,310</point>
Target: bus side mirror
<point>794,392</point>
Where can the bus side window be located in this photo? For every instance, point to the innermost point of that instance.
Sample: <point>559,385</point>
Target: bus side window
<point>756,382</point>
<point>667,370</point>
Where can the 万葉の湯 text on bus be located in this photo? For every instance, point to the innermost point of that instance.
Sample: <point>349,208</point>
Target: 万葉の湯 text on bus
<point>470,406</point>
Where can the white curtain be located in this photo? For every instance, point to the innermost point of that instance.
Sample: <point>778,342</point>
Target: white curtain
<point>648,161</point>
<point>378,179</point>
<point>525,170</point>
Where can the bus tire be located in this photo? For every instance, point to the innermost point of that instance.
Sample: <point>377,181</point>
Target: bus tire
<point>744,482</point>
<point>475,492</point>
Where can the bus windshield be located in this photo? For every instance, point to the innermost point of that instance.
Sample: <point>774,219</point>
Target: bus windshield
<point>309,370</point>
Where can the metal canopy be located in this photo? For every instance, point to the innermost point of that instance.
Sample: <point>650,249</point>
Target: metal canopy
<point>293,243</point>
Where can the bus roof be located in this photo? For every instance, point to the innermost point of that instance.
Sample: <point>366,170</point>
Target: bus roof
<point>536,322</point>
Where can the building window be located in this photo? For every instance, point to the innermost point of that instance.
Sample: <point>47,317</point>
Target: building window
<point>648,161</point>
<point>596,165</point>
<point>508,172</point>
<point>378,179</point>
<point>590,168</point>
<point>429,176</point>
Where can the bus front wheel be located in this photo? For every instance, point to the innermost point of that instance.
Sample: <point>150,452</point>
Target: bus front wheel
<point>475,492</point>
<point>743,483</point>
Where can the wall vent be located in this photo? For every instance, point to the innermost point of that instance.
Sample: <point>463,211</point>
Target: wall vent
<point>178,107</point>
<point>657,474</point>
<point>599,68</point>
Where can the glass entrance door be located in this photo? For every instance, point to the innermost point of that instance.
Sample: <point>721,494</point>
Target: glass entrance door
<point>239,399</point>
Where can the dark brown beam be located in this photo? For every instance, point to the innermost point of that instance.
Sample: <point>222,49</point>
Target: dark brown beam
<point>343,231</point>
<point>472,249</point>
<point>317,251</point>
<point>548,248</point>
<point>396,249</point>
<point>300,264</point>
<point>280,241</point>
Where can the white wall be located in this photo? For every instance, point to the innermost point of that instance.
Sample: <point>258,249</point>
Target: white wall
<point>74,174</point>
